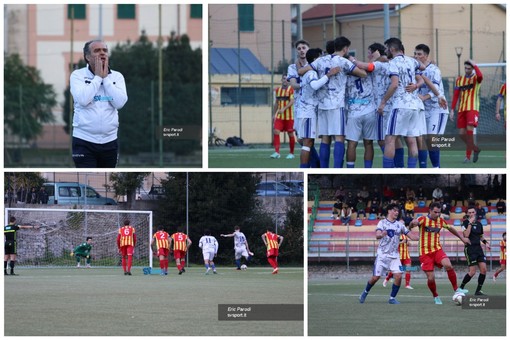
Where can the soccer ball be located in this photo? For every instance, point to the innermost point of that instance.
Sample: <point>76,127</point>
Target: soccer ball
<point>457,298</point>
<point>244,267</point>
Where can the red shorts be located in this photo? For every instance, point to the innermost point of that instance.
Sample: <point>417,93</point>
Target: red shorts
<point>127,250</point>
<point>179,254</point>
<point>502,262</point>
<point>163,252</point>
<point>429,260</point>
<point>406,262</point>
<point>467,118</point>
<point>284,125</point>
<point>272,253</point>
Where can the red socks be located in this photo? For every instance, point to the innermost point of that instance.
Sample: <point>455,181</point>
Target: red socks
<point>276,143</point>
<point>453,278</point>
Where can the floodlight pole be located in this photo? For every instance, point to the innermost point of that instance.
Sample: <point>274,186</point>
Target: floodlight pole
<point>458,51</point>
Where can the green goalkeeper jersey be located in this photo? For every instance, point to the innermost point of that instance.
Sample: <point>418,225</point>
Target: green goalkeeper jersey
<point>83,249</point>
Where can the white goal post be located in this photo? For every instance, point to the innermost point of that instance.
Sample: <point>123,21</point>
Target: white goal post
<point>61,230</point>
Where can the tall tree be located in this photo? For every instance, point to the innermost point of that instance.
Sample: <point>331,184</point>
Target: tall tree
<point>126,183</point>
<point>28,101</point>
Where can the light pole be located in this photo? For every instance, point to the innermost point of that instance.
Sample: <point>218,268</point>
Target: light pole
<point>458,51</point>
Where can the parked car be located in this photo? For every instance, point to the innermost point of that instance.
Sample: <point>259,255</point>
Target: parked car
<point>273,188</point>
<point>156,192</point>
<point>75,193</point>
<point>296,184</point>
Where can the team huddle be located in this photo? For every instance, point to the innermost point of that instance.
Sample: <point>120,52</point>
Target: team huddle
<point>393,255</point>
<point>389,99</point>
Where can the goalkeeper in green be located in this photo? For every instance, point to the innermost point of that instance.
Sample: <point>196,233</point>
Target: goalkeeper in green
<point>83,250</point>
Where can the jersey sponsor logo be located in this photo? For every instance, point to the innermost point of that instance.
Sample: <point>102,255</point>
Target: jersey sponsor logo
<point>432,230</point>
<point>103,98</point>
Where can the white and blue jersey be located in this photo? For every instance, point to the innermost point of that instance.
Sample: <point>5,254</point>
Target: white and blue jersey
<point>406,69</point>
<point>388,245</point>
<point>208,244</point>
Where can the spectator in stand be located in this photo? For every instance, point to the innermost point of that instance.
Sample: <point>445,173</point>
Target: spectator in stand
<point>437,194</point>
<point>459,195</point>
<point>410,195</point>
<point>486,195</point>
<point>420,194</point>
<point>340,193</point>
<point>375,205</point>
<point>351,200</point>
<point>387,194</point>
<point>346,213</point>
<point>337,207</point>
<point>364,194</point>
<point>480,212</point>
<point>361,208</point>
<point>402,194</point>
<point>446,209</point>
<point>471,200</point>
<point>409,207</point>
<point>376,194</point>
<point>501,206</point>
<point>447,198</point>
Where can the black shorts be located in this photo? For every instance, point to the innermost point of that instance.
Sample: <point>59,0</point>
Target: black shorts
<point>92,155</point>
<point>10,248</point>
<point>474,255</point>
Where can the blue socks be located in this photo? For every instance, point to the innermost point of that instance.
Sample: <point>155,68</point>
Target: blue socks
<point>422,157</point>
<point>324,153</point>
<point>338,155</point>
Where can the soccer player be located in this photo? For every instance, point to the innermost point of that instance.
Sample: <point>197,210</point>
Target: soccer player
<point>273,242</point>
<point>306,121</point>
<point>501,99</point>
<point>405,260</point>
<point>473,229</point>
<point>467,87</point>
<point>162,248</point>
<point>361,116</point>
<point>209,246</point>
<point>181,243</point>
<point>405,110</point>
<point>388,233</point>
<point>283,117</point>
<point>331,115</point>
<point>126,242</point>
<point>241,247</point>
<point>98,94</point>
<point>436,114</point>
<point>430,249</point>
<point>502,257</point>
<point>83,250</point>
<point>10,243</point>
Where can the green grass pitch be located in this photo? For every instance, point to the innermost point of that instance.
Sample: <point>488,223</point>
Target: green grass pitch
<point>244,157</point>
<point>102,302</point>
<point>334,310</point>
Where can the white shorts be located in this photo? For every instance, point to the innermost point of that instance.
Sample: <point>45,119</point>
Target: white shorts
<point>208,255</point>
<point>331,122</point>
<point>362,127</point>
<point>403,122</point>
<point>382,125</point>
<point>436,121</point>
<point>421,124</point>
<point>240,252</point>
<point>306,127</point>
<point>383,264</point>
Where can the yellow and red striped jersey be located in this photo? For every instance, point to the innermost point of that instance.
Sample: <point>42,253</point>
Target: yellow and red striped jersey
<point>502,94</point>
<point>283,97</point>
<point>272,240</point>
<point>429,234</point>
<point>180,241</point>
<point>161,238</point>
<point>126,236</point>
<point>403,248</point>
<point>469,90</point>
<point>502,251</point>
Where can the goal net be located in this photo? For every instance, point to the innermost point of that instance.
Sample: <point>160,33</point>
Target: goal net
<point>61,230</point>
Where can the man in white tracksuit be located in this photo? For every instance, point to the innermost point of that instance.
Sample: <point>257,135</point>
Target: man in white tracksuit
<point>98,93</point>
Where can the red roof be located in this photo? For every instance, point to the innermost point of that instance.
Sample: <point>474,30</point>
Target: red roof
<point>324,11</point>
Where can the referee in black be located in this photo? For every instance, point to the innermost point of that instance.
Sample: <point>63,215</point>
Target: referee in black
<point>473,229</point>
<point>10,250</point>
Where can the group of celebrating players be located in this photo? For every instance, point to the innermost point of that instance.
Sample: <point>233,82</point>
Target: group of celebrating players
<point>178,243</point>
<point>336,98</point>
<point>393,255</point>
